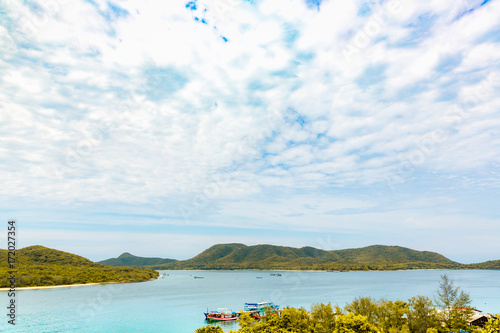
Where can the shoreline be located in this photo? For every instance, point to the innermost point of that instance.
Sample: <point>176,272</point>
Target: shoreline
<point>328,271</point>
<point>73,285</point>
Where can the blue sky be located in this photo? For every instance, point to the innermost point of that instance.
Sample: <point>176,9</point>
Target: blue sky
<point>162,128</point>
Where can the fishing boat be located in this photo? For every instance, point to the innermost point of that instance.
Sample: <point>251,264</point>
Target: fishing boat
<point>261,309</point>
<point>222,314</point>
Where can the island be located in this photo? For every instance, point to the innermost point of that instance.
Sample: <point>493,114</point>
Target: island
<point>39,266</point>
<point>237,256</point>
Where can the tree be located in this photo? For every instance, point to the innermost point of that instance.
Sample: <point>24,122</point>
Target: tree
<point>245,320</point>
<point>454,304</point>
<point>290,320</point>
<point>324,317</point>
<point>421,315</point>
<point>391,315</point>
<point>351,323</point>
<point>364,306</point>
<point>493,325</point>
<point>209,329</point>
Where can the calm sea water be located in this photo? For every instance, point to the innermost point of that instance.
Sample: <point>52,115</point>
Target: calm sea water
<point>176,302</point>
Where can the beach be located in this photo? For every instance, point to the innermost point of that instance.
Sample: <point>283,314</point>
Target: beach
<point>70,285</point>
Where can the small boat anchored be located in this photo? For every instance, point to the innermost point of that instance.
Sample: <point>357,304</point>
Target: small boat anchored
<point>261,309</point>
<point>222,314</point>
<point>255,310</point>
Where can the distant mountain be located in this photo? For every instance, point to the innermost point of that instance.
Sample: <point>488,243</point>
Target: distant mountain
<point>492,264</point>
<point>127,259</point>
<point>41,266</point>
<point>240,256</point>
<point>378,253</point>
<point>376,257</point>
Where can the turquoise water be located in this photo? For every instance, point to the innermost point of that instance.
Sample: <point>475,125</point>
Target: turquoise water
<point>176,302</point>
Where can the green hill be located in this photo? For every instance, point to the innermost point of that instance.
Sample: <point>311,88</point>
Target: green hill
<point>127,259</point>
<point>377,257</point>
<point>380,253</point>
<point>492,264</point>
<point>42,266</point>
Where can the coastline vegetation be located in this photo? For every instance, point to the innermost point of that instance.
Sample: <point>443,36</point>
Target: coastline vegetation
<point>41,266</point>
<point>449,312</point>
<point>306,265</point>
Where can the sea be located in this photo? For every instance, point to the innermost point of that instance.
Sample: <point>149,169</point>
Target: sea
<point>177,300</point>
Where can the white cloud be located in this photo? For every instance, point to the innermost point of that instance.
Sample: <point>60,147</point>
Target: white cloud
<point>152,105</point>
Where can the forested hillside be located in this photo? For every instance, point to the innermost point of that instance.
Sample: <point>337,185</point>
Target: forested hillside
<point>42,266</point>
<point>377,257</point>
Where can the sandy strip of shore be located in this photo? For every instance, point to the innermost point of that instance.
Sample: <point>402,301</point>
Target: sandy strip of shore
<point>70,285</point>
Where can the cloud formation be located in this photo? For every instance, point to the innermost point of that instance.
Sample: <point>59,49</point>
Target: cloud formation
<point>321,116</point>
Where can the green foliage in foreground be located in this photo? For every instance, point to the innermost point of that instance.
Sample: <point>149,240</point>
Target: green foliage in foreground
<point>41,266</point>
<point>382,317</point>
<point>448,313</point>
<point>493,325</point>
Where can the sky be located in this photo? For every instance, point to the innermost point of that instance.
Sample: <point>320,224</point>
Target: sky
<point>161,128</point>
